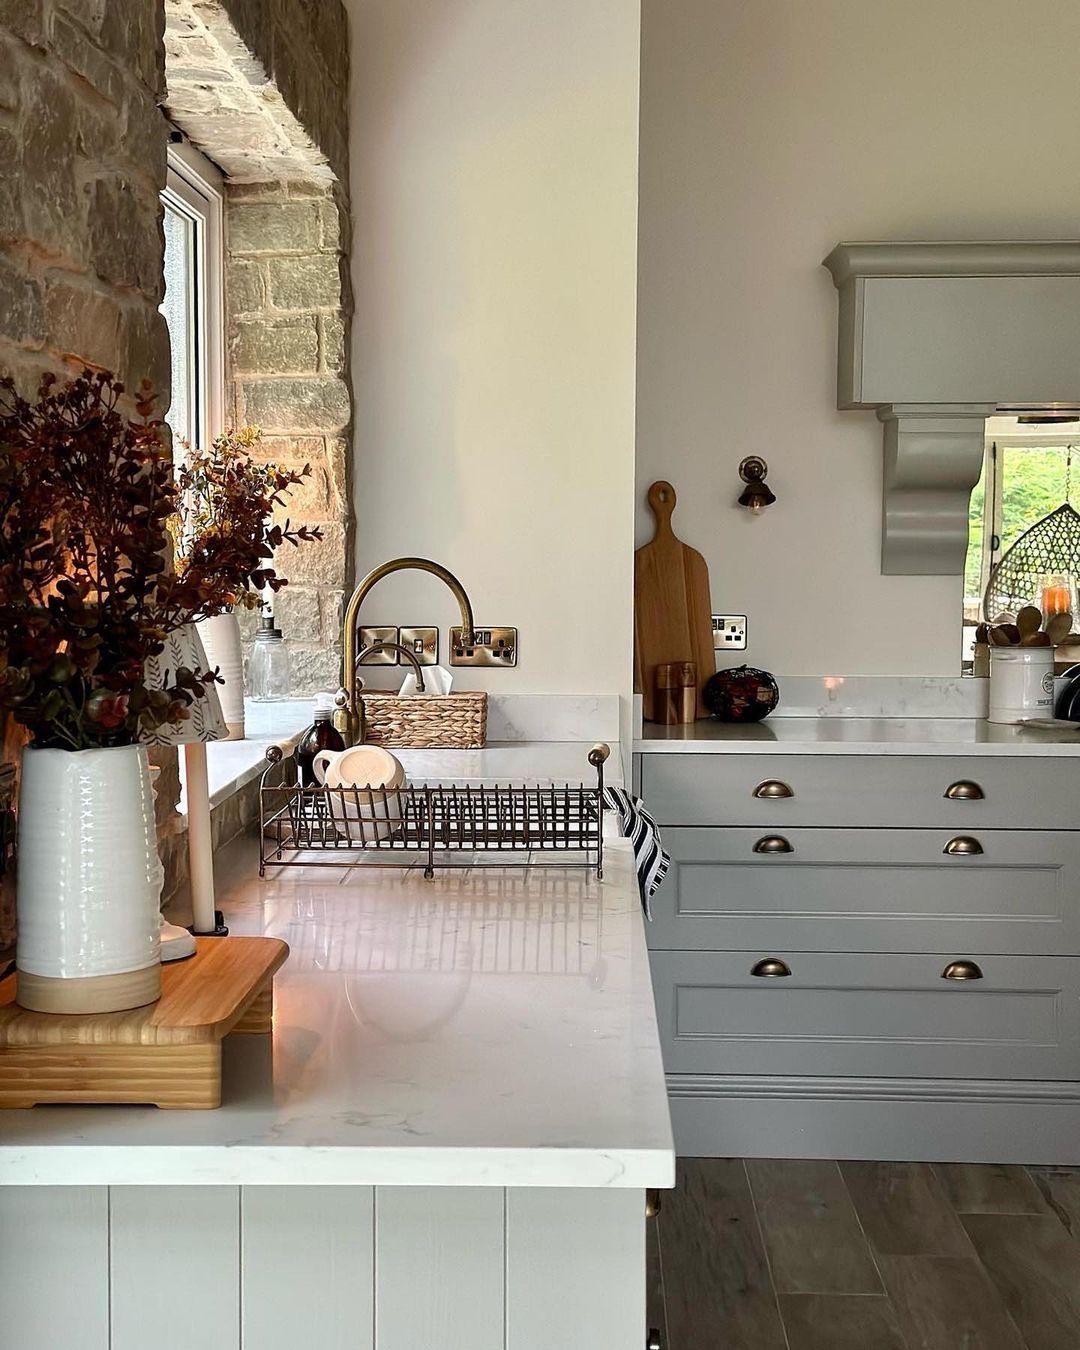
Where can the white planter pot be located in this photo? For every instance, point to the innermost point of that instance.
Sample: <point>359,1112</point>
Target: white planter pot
<point>221,641</point>
<point>89,882</point>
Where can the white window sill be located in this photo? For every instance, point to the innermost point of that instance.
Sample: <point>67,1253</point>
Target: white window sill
<point>231,765</point>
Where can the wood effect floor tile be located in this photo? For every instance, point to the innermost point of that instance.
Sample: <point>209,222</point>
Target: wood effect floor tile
<point>904,1210</point>
<point>840,1322</point>
<point>948,1303</point>
<point>1060,1188</point>
<point>990,1188</point>
<point>1035,1265</point>
<point>716,1277</point>
<point>812,1234</point>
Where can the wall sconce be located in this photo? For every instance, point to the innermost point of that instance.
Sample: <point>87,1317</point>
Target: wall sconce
<point>756,494</point>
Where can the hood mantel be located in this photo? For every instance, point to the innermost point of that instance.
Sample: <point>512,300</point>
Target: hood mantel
<point>936,337</point>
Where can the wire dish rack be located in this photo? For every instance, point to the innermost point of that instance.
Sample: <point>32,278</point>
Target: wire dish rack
<point>447,827</point>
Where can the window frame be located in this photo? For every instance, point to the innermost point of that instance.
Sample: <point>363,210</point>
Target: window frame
<point>195,189</point>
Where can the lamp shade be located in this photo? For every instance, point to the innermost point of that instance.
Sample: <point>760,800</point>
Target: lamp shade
<point>183,647</point>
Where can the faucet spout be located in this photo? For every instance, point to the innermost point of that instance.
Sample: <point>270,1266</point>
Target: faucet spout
<point>347,719</point>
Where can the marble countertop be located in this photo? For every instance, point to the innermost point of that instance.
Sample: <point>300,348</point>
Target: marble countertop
<point>858,736</point>
<point>493,1027</point>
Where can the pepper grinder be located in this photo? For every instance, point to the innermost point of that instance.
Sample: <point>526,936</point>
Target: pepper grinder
<point>676,693</point>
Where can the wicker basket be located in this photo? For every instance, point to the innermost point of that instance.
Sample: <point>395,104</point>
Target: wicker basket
<point>426,721</point>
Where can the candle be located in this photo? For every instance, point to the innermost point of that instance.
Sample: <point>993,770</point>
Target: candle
<point>1055,597</point>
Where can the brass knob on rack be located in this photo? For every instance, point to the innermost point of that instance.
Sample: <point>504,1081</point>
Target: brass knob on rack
<point>773,843</point>
<point>772,789</point>
<point>599,754</point>
<point>962,844</point>
<point>770,968</point>
<point>964,791</point>
<point>652,1203</point>
<point>961,970</point>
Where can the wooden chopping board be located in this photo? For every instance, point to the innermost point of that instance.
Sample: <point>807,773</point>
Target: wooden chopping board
<point>672,607</point>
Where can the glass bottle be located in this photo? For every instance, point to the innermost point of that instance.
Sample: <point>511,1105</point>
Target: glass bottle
<point>321,735</point>
<point>269,664</point>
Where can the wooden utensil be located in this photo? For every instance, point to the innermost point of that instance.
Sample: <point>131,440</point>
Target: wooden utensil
<point>999,637</point>
<point>1029,621</point>
<point>672,608</point>
<point>1058,627</point>
<point>1036,640</point>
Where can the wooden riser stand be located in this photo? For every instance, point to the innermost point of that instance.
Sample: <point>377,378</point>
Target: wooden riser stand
<point>167,1054</point>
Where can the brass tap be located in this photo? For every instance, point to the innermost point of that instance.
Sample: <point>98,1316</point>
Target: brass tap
<point>348,718</point>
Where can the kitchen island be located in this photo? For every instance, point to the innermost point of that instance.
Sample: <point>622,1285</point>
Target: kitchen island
<point>447,1141</point>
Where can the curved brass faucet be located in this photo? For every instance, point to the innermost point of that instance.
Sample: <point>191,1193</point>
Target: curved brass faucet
<point>347,719</point>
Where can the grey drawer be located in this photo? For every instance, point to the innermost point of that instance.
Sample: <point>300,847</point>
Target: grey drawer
<point>871,890</point>
<point>869,1015</point>
<point>875,790</point>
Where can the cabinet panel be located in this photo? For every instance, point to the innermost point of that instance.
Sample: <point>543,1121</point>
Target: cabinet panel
<point>439,1267</point>
<point>575,1268</point>
<point>867,1014</point>
<point>314,1239</point>
<point>861,791</point>
<point>54,1267</point>
<point>871,890</point>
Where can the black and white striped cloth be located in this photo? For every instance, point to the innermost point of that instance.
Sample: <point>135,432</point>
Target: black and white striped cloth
<point>644,835</point>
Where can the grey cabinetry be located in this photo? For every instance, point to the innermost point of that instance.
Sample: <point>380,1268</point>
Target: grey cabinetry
<point>886,940</point>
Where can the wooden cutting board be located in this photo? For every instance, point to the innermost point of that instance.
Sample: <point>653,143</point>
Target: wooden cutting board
<point>167,1054</point>
<point>672,607</point>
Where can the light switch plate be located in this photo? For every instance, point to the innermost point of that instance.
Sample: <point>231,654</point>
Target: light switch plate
<point>491,647</point>
<point>729,632</point>
<point>423,643</point>
<point>375,637</point>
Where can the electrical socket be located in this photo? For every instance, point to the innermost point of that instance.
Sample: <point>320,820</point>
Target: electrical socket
<point>423,643</point>
<point>490,647</point>
<point>729,632</point>
<point>375,637</point>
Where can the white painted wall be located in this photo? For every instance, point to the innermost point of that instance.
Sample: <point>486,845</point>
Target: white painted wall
<point>772,130</point>
<point>494,181</point>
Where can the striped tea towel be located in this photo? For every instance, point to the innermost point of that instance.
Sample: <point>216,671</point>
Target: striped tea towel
<point>640,828</point>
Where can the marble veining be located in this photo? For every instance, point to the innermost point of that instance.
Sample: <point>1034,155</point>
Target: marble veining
<point>492,1027</point>
<point>858,736</point>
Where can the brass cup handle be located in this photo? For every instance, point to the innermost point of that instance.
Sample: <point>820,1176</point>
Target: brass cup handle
<point>773,843</point>
<point>654,1341</point>
<point>652,1203</point>
<point>770,968</point>
<point>962,970</point>
<point>964,791</point>
<point>773,789</point>
<point>962,844</point>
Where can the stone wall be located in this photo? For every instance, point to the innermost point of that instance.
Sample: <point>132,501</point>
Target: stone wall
<point>82,163</point>
<point>262,90</point>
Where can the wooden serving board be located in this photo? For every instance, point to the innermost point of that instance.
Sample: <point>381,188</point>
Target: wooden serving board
<point>672,607</point>
<point>167,1054</point>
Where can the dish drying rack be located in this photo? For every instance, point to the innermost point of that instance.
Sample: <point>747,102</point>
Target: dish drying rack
<point>447,827</point>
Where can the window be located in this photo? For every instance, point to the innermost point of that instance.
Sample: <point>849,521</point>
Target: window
<point>1026,474</point>
<point>192,305</point>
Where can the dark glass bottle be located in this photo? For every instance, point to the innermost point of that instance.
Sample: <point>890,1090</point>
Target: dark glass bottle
<point>321,735</point>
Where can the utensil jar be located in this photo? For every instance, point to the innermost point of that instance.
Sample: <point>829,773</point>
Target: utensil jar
<point>1021,683</point>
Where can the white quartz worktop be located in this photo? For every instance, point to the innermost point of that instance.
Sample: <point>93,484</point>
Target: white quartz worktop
<point>507,762</point>
<point>857,736</point>
<point>492,1027</point>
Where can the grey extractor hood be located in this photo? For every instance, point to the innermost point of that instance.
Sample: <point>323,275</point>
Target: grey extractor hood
<point>936,337</point>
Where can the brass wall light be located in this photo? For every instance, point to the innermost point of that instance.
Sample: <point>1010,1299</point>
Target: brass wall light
<point>756,495</point>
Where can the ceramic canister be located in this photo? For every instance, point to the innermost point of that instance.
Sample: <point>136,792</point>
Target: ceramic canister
<point>89,881</point>
<point>221,640</point>
<point>1021,683</point>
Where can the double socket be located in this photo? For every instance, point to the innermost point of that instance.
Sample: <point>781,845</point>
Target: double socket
<point>489,647</point>
<point>422,642</point>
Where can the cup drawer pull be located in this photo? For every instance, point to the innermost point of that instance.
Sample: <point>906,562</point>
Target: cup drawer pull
<point>964,791</point>
<point>961,970</point>
<point>772,789</point>
<point>773,843</point>
<point>963,844</point>
<point>771,968</point>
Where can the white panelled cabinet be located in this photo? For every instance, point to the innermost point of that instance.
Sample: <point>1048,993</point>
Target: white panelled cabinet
<point>333,1268</point>
<point>870,956</point>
